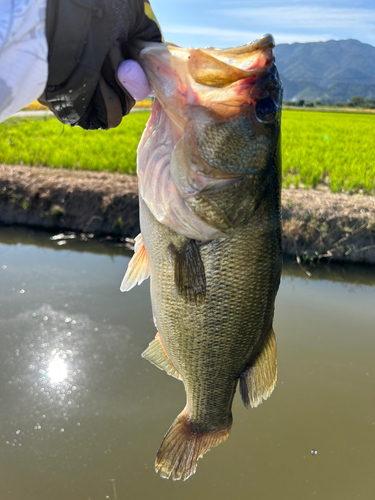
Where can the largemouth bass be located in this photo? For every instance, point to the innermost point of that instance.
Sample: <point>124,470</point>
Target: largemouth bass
<point>209,186</point>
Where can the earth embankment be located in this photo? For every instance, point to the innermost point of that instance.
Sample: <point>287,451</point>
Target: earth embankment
<point>317,224</point>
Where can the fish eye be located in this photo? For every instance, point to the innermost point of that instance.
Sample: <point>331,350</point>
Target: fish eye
<point>265,110</point>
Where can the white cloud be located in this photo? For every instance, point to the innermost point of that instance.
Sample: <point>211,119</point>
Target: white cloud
<point>241,36</point>
<point>301,38</point>
<point>305,16</point>
<point>210,31</point>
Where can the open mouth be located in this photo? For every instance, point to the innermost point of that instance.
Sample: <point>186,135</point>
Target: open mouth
<point>221,67</point>
<point>227,82</point>
<point>251,58</point>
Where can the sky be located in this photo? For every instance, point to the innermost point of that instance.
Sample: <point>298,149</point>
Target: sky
<point>219,23</point>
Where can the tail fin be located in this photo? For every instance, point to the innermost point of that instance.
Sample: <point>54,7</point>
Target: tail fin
<point>182,446</point>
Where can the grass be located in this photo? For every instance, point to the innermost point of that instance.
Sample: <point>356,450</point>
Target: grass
<point>331,109</point>
<point>332,148</point>
<point>46,141</point>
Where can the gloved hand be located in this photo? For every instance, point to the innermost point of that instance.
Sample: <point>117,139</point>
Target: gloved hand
<point>88,39</point>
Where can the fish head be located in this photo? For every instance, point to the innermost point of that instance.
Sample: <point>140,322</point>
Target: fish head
<point>230,97</point>
<point>222,111</point>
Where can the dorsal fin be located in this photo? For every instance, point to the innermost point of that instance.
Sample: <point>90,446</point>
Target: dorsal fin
<point>258,381</point>
<point>138,267</point>
<point>157,355</point>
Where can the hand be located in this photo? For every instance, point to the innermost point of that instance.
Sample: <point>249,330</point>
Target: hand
<point>134,80</point>
<point>87,43</point>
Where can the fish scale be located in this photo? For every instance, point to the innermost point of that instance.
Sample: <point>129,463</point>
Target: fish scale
<point>209,177</point>
<point>236,316</point>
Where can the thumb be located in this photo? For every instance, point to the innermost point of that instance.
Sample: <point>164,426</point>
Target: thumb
<point>133,79</point>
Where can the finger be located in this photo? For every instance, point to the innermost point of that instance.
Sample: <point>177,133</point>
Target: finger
<point>132,77</point>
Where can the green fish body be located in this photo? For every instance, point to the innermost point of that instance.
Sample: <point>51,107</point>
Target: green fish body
<point>209,175</point>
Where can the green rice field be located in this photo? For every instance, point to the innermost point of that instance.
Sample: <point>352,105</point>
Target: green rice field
<point>332,148</point>
<point>46,141</point>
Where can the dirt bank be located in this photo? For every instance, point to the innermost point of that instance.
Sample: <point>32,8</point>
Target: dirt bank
<point>58,199</point>
<point>317,224</point>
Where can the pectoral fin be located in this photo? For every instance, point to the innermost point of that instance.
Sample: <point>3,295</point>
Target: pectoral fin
<point>156,354</point>
<point>257,383</point>
<point>138,267</point>
<point>190,277</point>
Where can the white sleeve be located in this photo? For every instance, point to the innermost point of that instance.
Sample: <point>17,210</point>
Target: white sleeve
<point>23,54</point>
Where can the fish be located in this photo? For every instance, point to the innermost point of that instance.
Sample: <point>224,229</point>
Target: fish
<point>208,167</point>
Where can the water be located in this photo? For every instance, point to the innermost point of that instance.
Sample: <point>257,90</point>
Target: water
<point>82,414</point>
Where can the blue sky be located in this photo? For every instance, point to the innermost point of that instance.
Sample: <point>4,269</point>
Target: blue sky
<point>234,22</point>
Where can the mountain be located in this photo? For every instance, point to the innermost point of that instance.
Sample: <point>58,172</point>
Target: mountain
<point>331,71</point>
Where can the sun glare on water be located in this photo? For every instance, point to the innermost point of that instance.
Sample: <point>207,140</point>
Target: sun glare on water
<point>57,371</point>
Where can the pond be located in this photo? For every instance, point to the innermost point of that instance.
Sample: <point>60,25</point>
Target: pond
<point>82,414</point>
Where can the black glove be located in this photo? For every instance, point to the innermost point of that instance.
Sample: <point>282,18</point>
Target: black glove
<point>87,40</point>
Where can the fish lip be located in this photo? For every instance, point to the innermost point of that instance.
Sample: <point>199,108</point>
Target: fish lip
<point>264,42</point>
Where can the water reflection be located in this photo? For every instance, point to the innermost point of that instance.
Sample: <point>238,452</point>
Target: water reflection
<point>57,371</point>
<point>82,415</point>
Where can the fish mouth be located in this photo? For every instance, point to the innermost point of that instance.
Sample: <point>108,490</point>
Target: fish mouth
<point>251,58</point>
<point>227,82</point>
<point>218,68</point>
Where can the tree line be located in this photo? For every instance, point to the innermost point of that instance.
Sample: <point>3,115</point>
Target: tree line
<point>355,102</point>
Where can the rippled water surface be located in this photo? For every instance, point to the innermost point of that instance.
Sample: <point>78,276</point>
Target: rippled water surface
<point>82,414</point>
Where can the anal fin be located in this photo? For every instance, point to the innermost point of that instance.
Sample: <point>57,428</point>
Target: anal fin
<point>138,267</point>
<point>156,354</point>
<point>258,382</point>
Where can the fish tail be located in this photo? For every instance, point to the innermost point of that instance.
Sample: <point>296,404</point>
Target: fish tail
<point>183,445</point>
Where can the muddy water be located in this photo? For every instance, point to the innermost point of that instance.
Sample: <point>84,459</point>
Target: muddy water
<point>82,415</point>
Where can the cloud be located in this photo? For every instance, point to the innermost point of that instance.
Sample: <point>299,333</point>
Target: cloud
<point>210,31</point>
<point>305,16</point>
<point>242,36</point>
